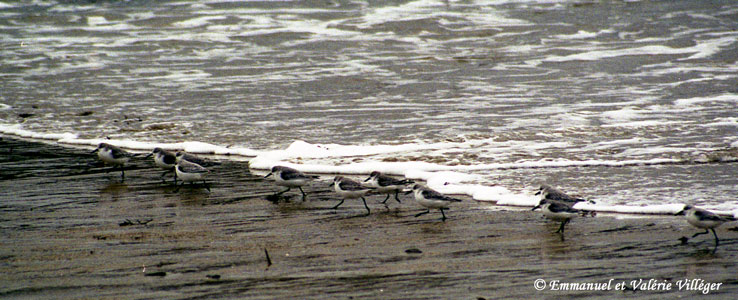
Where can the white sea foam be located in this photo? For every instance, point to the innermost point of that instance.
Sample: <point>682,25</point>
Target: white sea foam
<point>621,115</point>
<point>17,130</point>
<point>581,34</point>
<point>423,9</point>
<point>96,20</point>
<point>730,98</point>
<point>602,54</point>
<point>710,47</point>
<point>703,49</point>
<point>73,139</point>
<point>632,209</point>
<point>197,22</point>
<point>722,122</point>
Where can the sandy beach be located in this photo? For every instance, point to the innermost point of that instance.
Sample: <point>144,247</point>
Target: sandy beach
<point>71,230</point>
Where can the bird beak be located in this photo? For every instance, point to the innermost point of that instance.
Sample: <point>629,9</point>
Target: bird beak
<point>681,213</point>
<point>96,149</point>
<point>536,207</point>
<point>270,174</point>
<point>537,193</point>
<point>408,192</point>
<point>150,154</point>
<point>367,179</point>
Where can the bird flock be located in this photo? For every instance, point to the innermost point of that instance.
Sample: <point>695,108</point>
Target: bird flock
<point>554,204</point>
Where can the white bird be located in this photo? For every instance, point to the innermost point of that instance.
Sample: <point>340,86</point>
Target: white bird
<point>387,185</point>
<point>558,211</point>
<point>190,172</point>
<point>704,219</point>
<point>113,155</point>
<point>165,160</point>
<point>350,189</point>
<point>289,177</point>
<point>431,199</point>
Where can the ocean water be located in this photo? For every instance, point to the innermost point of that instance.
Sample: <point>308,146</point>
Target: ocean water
<point>633,104</point>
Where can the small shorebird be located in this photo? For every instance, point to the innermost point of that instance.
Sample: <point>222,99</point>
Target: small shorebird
<point>181,155</point>
<point>165,160</point>
<point>289,177</point>
<point>550,193</point>
<point>387,185</point>
<point>558,211</point>
<point>113,155</point>
<point>190,172</point>
<point>350,189</point>
<point>703,219</point>
<point>429,198</point>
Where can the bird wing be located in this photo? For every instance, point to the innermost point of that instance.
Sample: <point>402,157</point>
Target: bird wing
<point>293,174</point>
<point>199,160</point>
<point>430,194</point>
<point>169,159</point>
<point>192,168</point>
<point>708,216</point>
<point>118,152</point>
<point>554,194</point>
<point>387,181</point>
<point>194,159</point>
<point>558,207</point>
<point>350,185</point>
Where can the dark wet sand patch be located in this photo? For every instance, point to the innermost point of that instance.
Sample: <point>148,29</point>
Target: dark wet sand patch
<point>72,230</point>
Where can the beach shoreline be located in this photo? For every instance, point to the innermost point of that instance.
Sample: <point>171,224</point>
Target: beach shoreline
<point>72,230</point>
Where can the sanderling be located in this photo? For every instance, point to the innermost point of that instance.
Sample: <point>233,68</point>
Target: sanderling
<point>350,189</point>
<point>387,185</point>
<point>551,193</point>
<point>703,219</point>
<point>289,177</point>
<point>165,160</point>
<point>558,211</point>
<point>431,199</point>
<point>181,155</point>
<point>190,172</point>
<point>113,155</point>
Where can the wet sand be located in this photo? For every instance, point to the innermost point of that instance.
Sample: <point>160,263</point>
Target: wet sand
<point>72,230</point>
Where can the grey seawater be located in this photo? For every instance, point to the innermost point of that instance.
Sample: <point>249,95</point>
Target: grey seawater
<point>559,80</point>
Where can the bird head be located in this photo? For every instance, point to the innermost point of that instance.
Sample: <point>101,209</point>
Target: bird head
<point>540,204</point>
<point>372,175</point>
<point>684,210</point>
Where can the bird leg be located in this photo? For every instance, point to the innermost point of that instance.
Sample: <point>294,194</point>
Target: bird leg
<point>422,213</point>
<point>304,196</point>
<point>561,228</point>
<point>385,199</point>
<point>339,204</point>
<point>165,173</point>
<point>178,186</point>
<point>282,192</point>
<point>367,207</point>
<point>701,233</point>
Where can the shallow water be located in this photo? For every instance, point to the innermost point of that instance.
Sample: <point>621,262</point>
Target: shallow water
<point>487,89</point>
